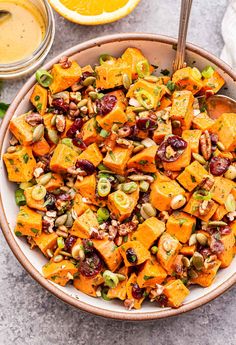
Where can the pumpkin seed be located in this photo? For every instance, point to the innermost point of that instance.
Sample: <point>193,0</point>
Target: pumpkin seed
<point>230,204</point>
<point>38,133</point>
<point>192,274</point>
<point>11,149</point>
<point>61,220</point>
<point>120,178</point>
<point>138,148</point>
<point>38,192</point>
<point>69,222</point>
<point>185,261</point>
<point>178,201</point>
<point>215,223</point>
<point>53,120</point>
<point>138,109</point>
<point>126,81</point>
<point>151,78</point>
<point>25,185</point>
<point>141,178</point>
<point>147,211</point>
<point>197,261</point>
<point>49,253</point>
<point>231,172</point>
<point>148,142</point>
<point>93,95</point>
<point>58,258</point>
<point>199,158</point>
<point>202,239</point>
<point>77,252</point>
<point>82,103</point>
<point>88,81</point>
<point>44,179</point>
<point>53,136</point>
<point>129,187</point>
<point>220,146</point>
<point>192,240</point>
<point>144,186</point>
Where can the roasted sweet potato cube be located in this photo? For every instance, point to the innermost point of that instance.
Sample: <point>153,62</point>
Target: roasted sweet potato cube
<point>109,252</point>
<point>214,83</point>
<point>181,225</point>
<point>63,78</point>
<point>149,231</point>
<point>129,288</point>
<point>121,204</point>
<point>120,290</point>
<point>69,123</point>
<point>84,224</point>
<point>219,213</point>
<point>46,241</point>
<point>184,78</point>
<point>39,98</point>
<point>78,205</point>
<point>20,164</point>
<point>59,272</point>
<point>41,147</point>
<point>192,136</point>
<point>224,154</point>
<point>144,160</point>
<point>202,121</point>
<point>182,108</point>
<point>132,56</point>
<point>55,182</point>
<point>116,160</point>
<point>87,188</point>
<point>225,128</point>
<point>163,192</point>
<point>192,176</point>
<point>206,276</point>
<point>110,75</point>
<point>164,103</point>
<point>227,255</point>
<point>89,132</point>
<point>116,116</point>
<point>31,202</point>
<point>141,253</point>
<point>63,158</point>
<point>188,250</point>
<point>155,90</point>
<point>28,223</point>
<point>151,274</point>
<point>221,189</point>
<point>192,208</point>
<point>92,154</point>
<point>47,120</point>
<point>168,249</point>
<point>88,285</point>
<point>180,163</point>
<point>21,129</point>
<point>176,292</point>
<point>164,128</point>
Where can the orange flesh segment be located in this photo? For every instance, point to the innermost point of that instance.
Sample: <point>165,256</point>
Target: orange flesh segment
<point>93,7</point>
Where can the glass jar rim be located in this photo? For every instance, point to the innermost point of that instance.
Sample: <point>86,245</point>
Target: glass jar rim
<point>25,65</point>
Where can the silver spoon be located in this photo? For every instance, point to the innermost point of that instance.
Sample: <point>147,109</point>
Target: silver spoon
<point>4,14</point>
<point>215,104</point>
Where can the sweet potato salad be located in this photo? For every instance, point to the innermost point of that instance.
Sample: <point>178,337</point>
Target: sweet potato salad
<point>125,184</point>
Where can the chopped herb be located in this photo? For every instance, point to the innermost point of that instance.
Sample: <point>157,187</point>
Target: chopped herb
<point>143,162</point>
<point>3,109</point>
<point>147,277</point>
<point>39,106</point>
<point>26,158</point>
<point>18,233</point>
<point>104,133</point>
<point>170,85</point>
<point>35,231</point>
<point>37,98</point>
<point>193,178</point>
<point>182,221</point>
<point>113,157</point>
<point>11,161</point>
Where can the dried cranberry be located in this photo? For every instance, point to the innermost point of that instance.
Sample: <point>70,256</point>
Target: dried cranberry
<point>205,252</point>
<point>146,123</point>
<point>162,300</point>
<point>106,104</point>
<point>214,139</point>
<point>88,246</point>
<point>78,142</point>
<point>76,126</point>
<point>226,230</point>
<point>219,165</point>
<point>176,143</point>
<point>137,292</point>
<point>69,242</point>
<point>60,105</point>
<point>91,266</point>
<point>50,202</point>
<point>85,165</point>
<point>131,255</point>
<point>64,197</point>
<point>216,246</point>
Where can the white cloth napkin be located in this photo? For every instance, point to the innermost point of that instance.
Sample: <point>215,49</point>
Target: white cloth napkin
<point>228,28</point>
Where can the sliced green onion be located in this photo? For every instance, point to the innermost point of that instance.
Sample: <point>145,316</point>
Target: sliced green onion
<point>67,142</point>
<point>129,187</point>
<point>104,133</point>
<point>104,58</point>
<point>144,186</point>
<point>43,77</point>
<point>25,185</point>
<point>20,197</point>
<point>110,279</point>
<point>208,72</point>
<point>143,69</point>
<point>170,85</point>
<point>103,187</point>
<point>103,214</point>
<point>121,199</point>
<point>38,192</point>
<point>196,73</point>
<point>102,167</point>
<point>104,294</point>
<point>202,195</point>
<point>60,242</point>
<point>145,98</point>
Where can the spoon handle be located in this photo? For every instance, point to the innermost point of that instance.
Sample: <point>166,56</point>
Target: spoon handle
<point>179,61</point>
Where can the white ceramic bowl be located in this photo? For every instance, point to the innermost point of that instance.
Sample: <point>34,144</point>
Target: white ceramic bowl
<point>160,51</point>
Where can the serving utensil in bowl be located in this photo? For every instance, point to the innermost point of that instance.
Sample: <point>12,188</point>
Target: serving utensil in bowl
<point>160,52</point>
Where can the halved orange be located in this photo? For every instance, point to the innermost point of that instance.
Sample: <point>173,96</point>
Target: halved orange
<point>93,12</point>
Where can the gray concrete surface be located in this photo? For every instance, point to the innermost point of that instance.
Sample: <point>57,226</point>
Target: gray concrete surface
<point>31,316</point>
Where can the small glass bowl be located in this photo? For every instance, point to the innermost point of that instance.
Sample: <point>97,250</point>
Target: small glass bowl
<point>31,63</point>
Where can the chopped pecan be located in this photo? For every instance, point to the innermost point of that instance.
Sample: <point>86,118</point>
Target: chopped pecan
<point>129,303</point>
<point>126,228</point>
<point>112,232</point>
<point>157,291</point>
<point>207,183</point>
<point>34,119</point>
<point>97,234</point>
<point>205,207</point>
<point>205,145</point>
<point>65,62</point>
<point>60,123</point>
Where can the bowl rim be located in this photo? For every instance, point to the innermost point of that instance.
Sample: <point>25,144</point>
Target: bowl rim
<point>134,316</point>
